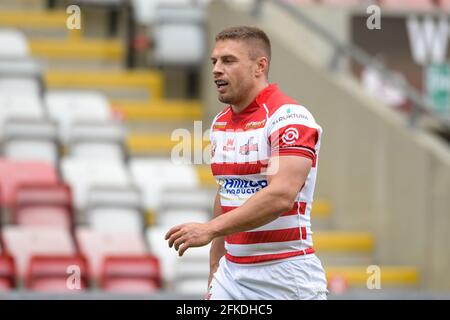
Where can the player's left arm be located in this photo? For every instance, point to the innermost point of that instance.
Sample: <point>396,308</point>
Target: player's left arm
<point>286,176</point>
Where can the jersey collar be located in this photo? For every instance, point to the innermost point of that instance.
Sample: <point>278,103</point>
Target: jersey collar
<point>258,102</point>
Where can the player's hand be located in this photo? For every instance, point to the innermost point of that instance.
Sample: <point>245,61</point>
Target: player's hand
<point>189,235</point>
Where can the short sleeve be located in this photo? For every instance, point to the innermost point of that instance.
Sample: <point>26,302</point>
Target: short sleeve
<point>293,131</point>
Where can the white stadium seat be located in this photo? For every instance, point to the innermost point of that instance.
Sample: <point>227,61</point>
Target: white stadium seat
<point>13,44</point>
<point>153,175</point>
<point>114,209</point>
<point>31,140</point>
<point>173,217</point>
<point>67,107</point>
<point>83,174</point>
<point>97,139</point>
<point>20,85</point>
<point>179,36</point>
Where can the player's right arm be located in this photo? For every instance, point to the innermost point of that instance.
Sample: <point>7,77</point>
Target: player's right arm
<point>217,250</point>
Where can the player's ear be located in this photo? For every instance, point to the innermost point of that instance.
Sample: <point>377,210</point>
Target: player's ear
<point>262,65</point>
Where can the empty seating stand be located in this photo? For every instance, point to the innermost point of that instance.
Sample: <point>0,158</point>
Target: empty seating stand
<point>17,45</point>
<point>96,245</point>
<point>137,274</point>
<point>97,139</point>
<point>23,242</point>
<point>47,205</point>
<point>57,273</point>
<point>31,140</point>
<point>163,174</point>
<point>82,174</point>
<point>69,106</point>
<point>115,209</point>
<point>14,174</point>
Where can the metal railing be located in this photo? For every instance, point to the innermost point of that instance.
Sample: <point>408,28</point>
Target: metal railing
<point>341,50</point>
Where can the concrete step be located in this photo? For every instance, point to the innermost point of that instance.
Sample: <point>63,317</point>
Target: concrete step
<point>158,110</point>
<point>390,276</point>
<point>151,82</point>
<point>77,49</point>
<point>160,143</point>
<point>342,241</point>
<point>40,19</point>
<point>345,258</point>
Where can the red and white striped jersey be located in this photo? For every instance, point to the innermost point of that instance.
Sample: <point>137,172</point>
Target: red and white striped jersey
<point>241,145</point>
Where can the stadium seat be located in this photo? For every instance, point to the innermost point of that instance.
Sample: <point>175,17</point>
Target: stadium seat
<point>44,216</point>
<point>7,272</point>
<point>187,198</point>
<point>179,36</point>
<point>145,12</point>
<point>97,139</point>
<point>82,174</point>
<point>13,44</point>
<point>19,85</point>
<point>172,217</point>
<point>114,209</point>
<point>43,205</point>
<point>192,271</point>
<point>153,175</point>
<point>14,174</point>
<point>58,194</point>
<point>14,105</point>
<point>57,273</point>
<point>95,245</point>
<point>67,107</point>
<point>137,274</point>
<point>14,67</point>
<point>444,4</point>
<point>115,219</point>
<point>30,140</point>
<point>168,257</point>
<point>22,242</point>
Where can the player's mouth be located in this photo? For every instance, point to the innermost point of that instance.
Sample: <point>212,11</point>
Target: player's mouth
<point>222,85</point>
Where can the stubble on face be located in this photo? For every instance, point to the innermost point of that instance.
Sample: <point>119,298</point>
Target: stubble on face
<point>236,70</point>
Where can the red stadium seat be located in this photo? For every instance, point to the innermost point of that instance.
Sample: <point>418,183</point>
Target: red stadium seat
<point>43,216</point>
<point>95,245</point>
<point>7,273</point>
<point>23,242</point>
<point>444,4</point>
<point>49,205</point>
<point>130,274</point>
<point>14,174</point>
<point>57,273</point>
<point>51,194</point>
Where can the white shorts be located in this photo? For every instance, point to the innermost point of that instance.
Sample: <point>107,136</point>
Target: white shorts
<point>298,278</point>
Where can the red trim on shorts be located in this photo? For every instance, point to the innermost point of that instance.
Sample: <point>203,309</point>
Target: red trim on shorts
<point>267,257</point>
